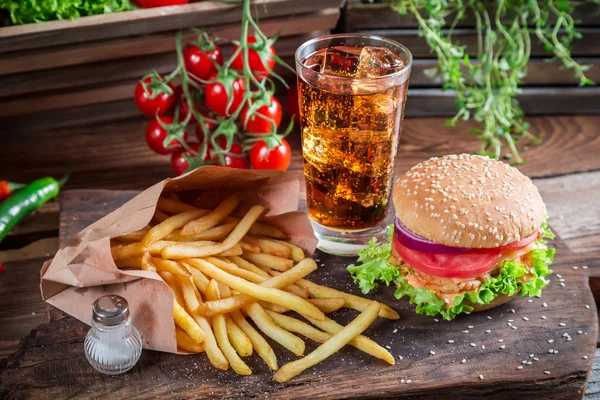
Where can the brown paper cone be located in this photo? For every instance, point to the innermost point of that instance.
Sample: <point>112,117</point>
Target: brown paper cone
<point>84,270</point>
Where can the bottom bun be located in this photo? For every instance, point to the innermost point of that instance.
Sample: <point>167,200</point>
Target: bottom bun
<point>498,301</point>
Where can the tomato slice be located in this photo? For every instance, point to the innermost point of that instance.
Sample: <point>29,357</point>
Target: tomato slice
<point>463,265</point>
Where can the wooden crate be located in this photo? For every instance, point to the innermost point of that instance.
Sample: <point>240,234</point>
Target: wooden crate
<point>60,73</point>
<point>547,89</point>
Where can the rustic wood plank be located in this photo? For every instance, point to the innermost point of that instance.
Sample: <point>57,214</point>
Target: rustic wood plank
<point>60,110</point>
<point>379,16</point>
<point>58,347</point>
<point>533,100</point>
<point>114,155</point>
<point>21,306</point>
<point>593,389</point>
<point>541,72</point>
<point>588,45</point>
<point>44,248</point>
<point>144,21</point>
<point>119,48</point>
<point>577,222</point>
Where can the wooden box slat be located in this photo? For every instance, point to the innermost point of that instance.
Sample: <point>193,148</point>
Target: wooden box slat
<point>144,21</point>
<point>362,16</point>
<point>61,56</point>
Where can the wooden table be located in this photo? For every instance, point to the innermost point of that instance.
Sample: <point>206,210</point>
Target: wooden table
<point>566,168</point>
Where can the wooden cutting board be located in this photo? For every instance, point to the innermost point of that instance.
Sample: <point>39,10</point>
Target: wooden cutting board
<point>553,338</point>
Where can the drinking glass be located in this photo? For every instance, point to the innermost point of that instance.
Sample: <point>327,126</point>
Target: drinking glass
<point>352,93</point>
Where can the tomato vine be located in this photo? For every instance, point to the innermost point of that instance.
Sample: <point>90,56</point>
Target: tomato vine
<point>230,103</point>
<point>487,85</point>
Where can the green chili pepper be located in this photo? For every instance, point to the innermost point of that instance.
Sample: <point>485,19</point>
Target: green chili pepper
<point>27,200</point>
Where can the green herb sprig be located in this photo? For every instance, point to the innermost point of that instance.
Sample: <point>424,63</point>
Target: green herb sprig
<point>487,87</point>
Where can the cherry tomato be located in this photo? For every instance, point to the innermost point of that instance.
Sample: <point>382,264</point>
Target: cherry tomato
<point>257,64</point>
<point>180,164</point>
<point>184,110</point>
<point>158,3</point>
<point>263,158</point>
<point>156,135</point>
<point>235,162</point>
<point>257,124</point>
<point>217,99</point>
<point>198,62</point>
<point>160,105</point>
<point>462,265</point>
<point>291,103</point>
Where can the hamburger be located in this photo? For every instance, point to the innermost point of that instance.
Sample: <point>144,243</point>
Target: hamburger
<point>469,234</point>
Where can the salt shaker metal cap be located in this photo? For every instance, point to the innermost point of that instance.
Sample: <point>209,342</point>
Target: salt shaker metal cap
<point>110,310</point>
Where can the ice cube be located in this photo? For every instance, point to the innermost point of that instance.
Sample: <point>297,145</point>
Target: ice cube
<point>340,61</point>
<point>377,61</point>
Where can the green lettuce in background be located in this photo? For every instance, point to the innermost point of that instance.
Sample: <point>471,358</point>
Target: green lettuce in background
<point>375,267</point>
<point>30,11</point>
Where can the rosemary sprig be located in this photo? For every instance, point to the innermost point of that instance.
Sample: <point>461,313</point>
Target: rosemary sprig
<point>487,86</point>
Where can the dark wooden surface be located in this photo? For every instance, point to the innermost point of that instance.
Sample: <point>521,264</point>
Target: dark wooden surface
<point>549,96</point>
<point>113,156</point>
<point>58,346</point>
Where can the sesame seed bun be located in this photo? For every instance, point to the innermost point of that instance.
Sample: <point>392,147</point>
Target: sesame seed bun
<point>468,201</point>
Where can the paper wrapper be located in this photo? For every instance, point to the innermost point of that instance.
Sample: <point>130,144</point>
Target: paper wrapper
<point>84,270</point>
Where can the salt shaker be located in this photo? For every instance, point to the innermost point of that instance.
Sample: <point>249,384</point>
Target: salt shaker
<point>113,345</point>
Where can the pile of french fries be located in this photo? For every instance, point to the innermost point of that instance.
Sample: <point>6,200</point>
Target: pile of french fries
<point>225,270</point>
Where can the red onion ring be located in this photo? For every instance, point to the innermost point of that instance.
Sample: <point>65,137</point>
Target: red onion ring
<point>418,243</point>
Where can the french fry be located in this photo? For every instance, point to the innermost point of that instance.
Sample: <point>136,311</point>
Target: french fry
<point>296,253</point>
<point>185,342</point>
<point>297,326</point>
<point>238,338</point>
<point>283,280</point>
<point>268,261</point>
<point>173,283</point>
<point>236,250</point>
<point>361,342</point>
<point>160,216</point>
<point>214,353</point>
<point>248,266</point>
<point>269,246</point>
<point>183,251</point>
<point>173,196</point>
<point>135,236</point>
<point>189,292</point>
<point>173,206</point>
<point>146,263</point>
<point>331,346</point>
<point>259,292</point>
<point>233,269</point>
<point>328,305</point>
<point>137,249</point>
<point>288,340</point>
<point>171,266</point>
<point>220,329</point>
<point>217,233</point>
<point>262,348</point>
<point>249,248</point>
<point>264,229</point>
<point>273,307</point>
<point>200,280</point>
<point>350,300</point>
<point>187,323</point>
<point>131,262</point>
<point>169,225</point>
<point>212,219</point>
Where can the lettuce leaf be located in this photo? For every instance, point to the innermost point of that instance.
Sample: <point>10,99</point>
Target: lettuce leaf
<point>375,267</point>
<point>29,11</point>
